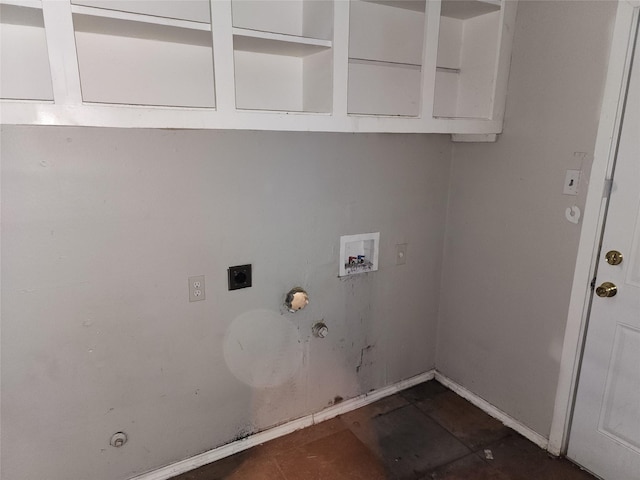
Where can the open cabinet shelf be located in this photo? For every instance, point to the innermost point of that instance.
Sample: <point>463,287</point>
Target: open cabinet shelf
<point>25,72</point>
<point>283,57</point>
<point>385,57</point>
<point>137,59</point>
<point>468,48</point>
<point>276,43</point>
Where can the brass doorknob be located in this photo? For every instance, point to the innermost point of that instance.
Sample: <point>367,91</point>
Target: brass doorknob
<point>607,289</point>
<point>613,257</point>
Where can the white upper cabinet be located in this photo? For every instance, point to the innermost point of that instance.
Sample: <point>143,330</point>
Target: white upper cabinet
<point>318,65</point>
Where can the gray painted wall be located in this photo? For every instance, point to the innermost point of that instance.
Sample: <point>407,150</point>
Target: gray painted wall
<point>509,252</point>
<point>102,227</point>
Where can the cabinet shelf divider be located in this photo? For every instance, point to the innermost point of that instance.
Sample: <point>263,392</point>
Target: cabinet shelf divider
<point>138,17</point>
<point>448,70</point>
<point>384,63</point>
<point>277,43</point>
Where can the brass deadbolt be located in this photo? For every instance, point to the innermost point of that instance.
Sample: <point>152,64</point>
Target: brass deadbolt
<point>613,257</point>
<point>606,290</point>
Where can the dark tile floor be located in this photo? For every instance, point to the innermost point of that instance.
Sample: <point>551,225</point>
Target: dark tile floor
<point>424,433</point>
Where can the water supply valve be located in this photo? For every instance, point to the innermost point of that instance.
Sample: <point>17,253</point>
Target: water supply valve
<point>118,439</point>
<point>320,330</point>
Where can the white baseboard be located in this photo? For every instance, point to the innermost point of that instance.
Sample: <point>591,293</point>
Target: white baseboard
<point>229,449</point>
<point>495,412</point>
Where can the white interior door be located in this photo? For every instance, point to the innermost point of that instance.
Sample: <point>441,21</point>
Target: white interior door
<point>605,433</point>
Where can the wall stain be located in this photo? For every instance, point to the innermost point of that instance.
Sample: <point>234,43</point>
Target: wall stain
<point>242,434</point>
<point>362,352</point>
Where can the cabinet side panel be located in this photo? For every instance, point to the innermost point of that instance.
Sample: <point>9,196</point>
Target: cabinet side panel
<point>478,65</point>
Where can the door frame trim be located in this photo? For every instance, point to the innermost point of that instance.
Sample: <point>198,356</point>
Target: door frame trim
<point>624,33</point>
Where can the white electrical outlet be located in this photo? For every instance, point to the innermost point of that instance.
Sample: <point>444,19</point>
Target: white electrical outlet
<point>196,288</point>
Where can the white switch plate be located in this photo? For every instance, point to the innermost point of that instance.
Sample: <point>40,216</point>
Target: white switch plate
<point>571,182</point>
<point>196,288</point>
